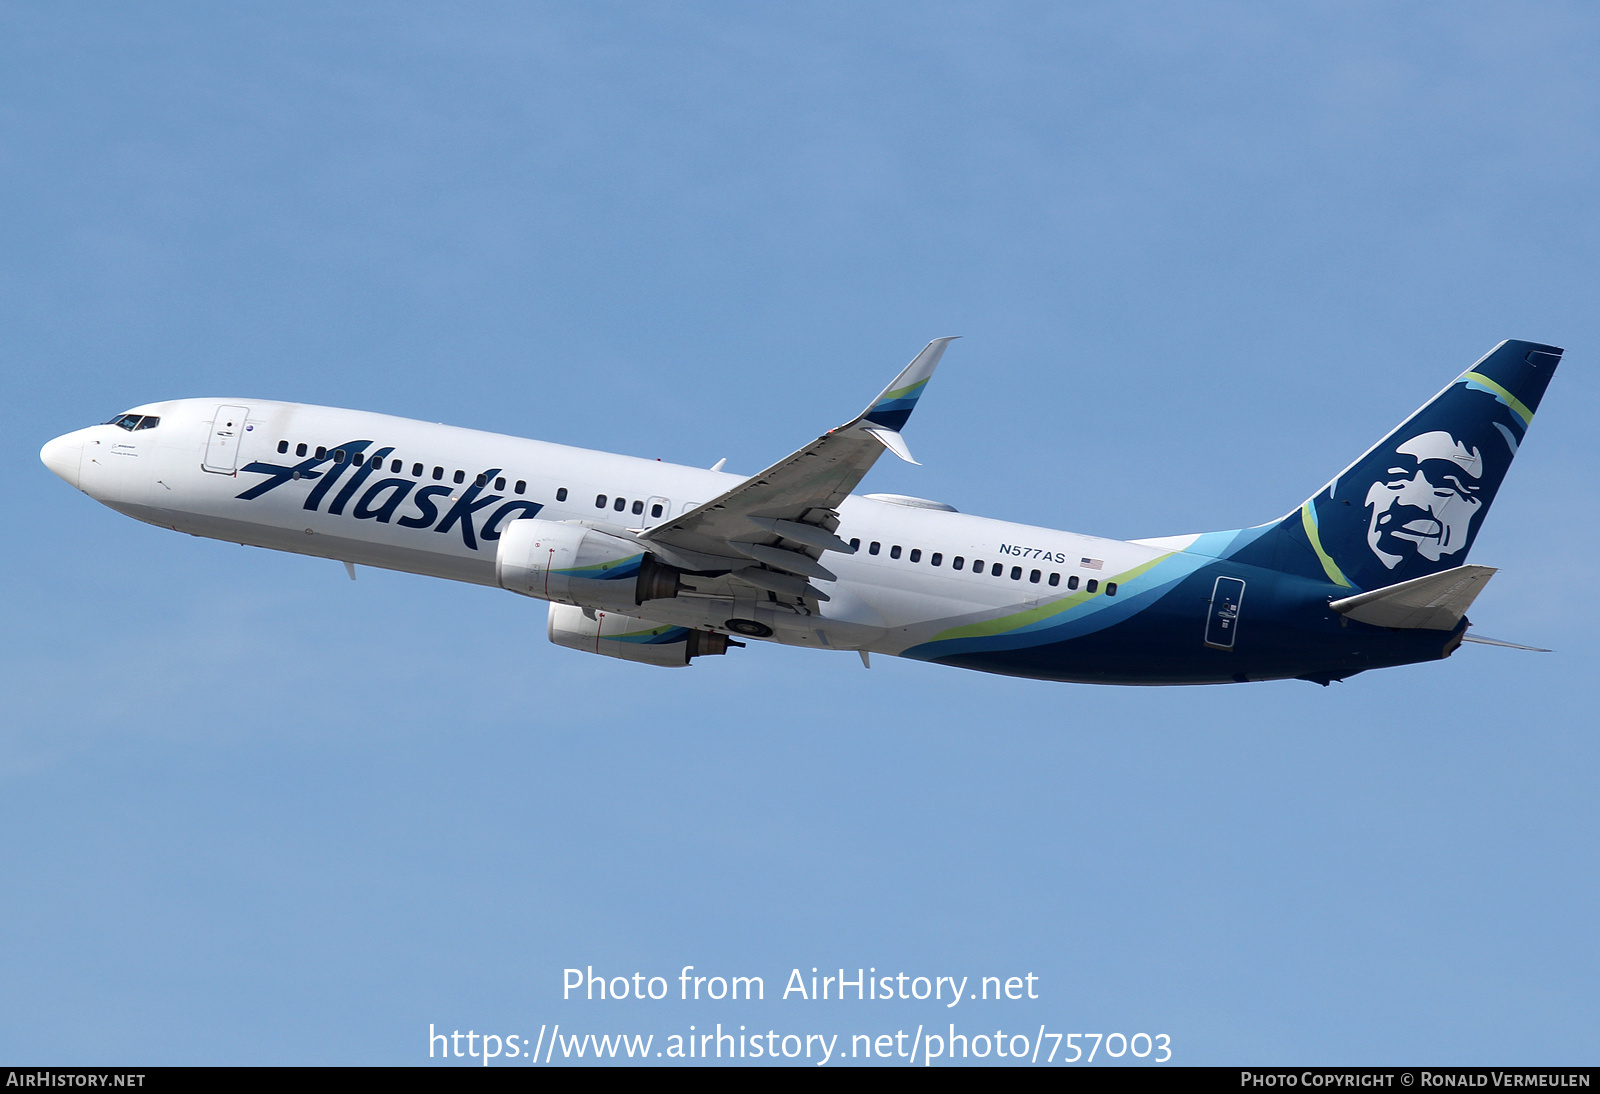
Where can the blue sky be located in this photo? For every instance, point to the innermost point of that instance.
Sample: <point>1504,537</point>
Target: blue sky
<point>1201,256</point>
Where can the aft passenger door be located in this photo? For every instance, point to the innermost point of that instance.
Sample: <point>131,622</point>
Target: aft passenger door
<point>1222,621</point>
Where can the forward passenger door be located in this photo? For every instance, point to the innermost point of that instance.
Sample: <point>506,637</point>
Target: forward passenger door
<point>227,431</point>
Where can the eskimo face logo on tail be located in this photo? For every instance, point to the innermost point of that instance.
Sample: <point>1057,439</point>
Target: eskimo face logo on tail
<point>1427,502</point>
<point>381,501</point>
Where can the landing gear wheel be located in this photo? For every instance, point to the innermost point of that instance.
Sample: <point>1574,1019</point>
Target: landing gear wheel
<point>749,627</point>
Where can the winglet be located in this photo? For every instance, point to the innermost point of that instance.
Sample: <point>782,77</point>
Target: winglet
<point>894,405</point>
<point>893,442</point>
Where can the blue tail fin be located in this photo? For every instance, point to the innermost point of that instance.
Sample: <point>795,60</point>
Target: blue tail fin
<point>1413,503</point>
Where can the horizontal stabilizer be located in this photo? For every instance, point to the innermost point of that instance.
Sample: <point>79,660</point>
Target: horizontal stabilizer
<point>1435,602</point>
<point>1484,640</point>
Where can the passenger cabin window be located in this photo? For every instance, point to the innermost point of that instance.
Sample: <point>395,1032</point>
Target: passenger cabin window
<point>935,559</point>
<point>977,565</point>
<point>1093,585</point>
<point>461,476</point>
<point>1111,588</point>
<point>957,562</point>
<point>438,473</point>
<point>1072,582</point>
<point>416,471</point>
<point>322,453</point>
<point>655,510</point>
<point>338,455</point>
<point>620,504</point>
<point>894,552</point>
<point>1016,573</point>
<point>283,446</point>
<point>1035,576</point>
<point>997,569</point>
<point>299,450</point>
<point>855,544</point>
<point>600,501</point>
<point>561,495</point>
<point>1055,579</point>
<point>395,466</point>
<point>638,507</point>
<point>356,459</point>
<point>480,482</point>
<point>916,554</point>
<point>874,547</point>
<point>500,484</point>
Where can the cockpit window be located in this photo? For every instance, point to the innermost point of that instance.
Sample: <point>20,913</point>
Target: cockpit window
<point>149,421</point>
<point>126,421</point>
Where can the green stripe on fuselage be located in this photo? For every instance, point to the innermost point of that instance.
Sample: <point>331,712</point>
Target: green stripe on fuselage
<point>990,628</point>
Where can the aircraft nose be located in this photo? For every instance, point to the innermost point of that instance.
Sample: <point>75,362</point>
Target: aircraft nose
<point>63,455</point>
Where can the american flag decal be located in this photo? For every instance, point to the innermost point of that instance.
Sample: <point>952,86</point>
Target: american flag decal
<point>1091,563</point>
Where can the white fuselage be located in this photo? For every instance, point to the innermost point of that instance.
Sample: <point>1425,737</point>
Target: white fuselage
<point>884,600</point>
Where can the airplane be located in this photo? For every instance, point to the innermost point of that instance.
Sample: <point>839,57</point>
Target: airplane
<point>659,563</point>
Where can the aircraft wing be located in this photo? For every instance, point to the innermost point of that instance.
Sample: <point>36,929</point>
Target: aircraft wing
<point>784,518</point>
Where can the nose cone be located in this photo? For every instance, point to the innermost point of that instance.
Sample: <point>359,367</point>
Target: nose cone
<point>63,455</point>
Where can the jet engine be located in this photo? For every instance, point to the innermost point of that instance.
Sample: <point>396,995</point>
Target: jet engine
<point>613,634</point>
<point>657,580</point>
<point>567,563</point>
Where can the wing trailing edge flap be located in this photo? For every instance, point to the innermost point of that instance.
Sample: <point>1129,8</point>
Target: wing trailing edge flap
<point>809,534</point>
<point>795,499</point>
<point>1436,602</point>
<point>782,584</point>
<point>793,561</point>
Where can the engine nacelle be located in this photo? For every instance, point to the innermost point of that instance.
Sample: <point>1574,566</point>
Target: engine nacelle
<point>567,563</point>
<point>613,634</point>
